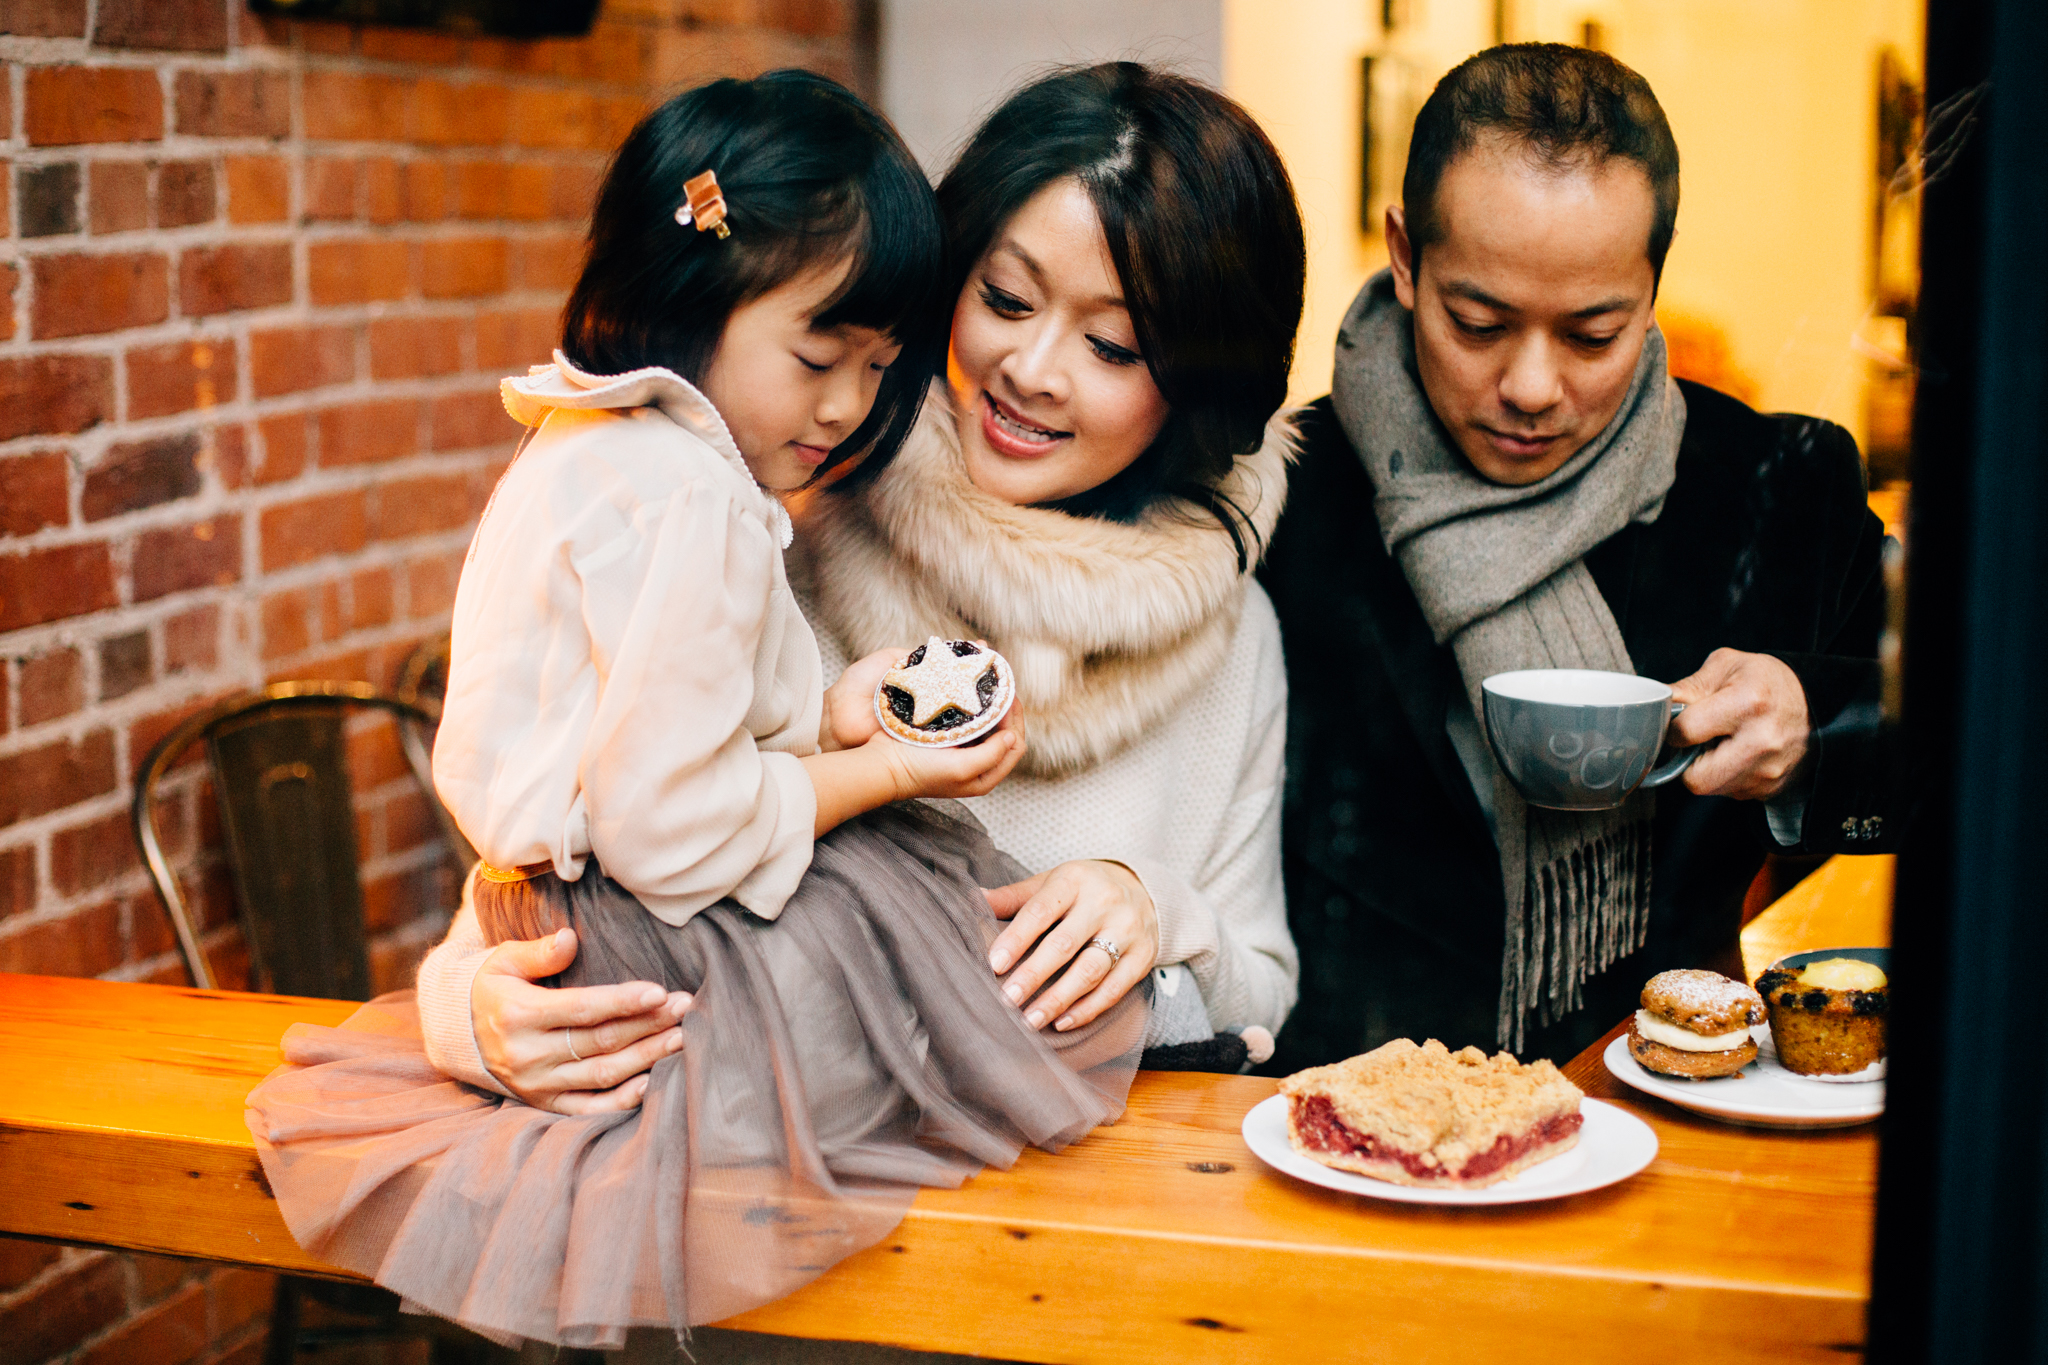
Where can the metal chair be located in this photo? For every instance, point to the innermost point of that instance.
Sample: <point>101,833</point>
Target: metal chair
<point>281,780</point>
<point>423,682</point>
<point>280,773</point>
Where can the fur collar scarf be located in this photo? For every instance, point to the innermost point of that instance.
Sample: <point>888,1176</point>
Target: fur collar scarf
<point>1109,626</point>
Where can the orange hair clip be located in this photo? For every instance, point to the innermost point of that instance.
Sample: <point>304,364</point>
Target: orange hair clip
<point>704,205</point>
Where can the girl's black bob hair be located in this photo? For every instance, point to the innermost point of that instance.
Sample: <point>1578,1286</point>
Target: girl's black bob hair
<point>1203,230</point>
<point>811,175</point>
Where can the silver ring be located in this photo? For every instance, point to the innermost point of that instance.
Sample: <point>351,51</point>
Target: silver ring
<point>1115,955</point>
<point>569,1037</point>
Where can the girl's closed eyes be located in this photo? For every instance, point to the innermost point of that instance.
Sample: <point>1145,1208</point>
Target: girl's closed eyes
<point>788,419</point>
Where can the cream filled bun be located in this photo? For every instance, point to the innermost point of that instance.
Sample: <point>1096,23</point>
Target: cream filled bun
<point>1695,1024</point>
<point>1685,1040</point>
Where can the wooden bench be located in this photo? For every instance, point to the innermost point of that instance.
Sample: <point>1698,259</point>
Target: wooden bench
<point>1160,1238</point>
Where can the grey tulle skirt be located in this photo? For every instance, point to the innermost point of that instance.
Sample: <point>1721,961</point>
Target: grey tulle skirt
<point>836,1059</point>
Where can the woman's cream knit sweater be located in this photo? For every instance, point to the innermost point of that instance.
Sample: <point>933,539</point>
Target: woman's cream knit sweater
<point>1150,678</point>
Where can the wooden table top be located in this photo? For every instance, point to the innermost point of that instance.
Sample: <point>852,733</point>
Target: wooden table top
<point>1846,903</point>
<point>1158,1238</point>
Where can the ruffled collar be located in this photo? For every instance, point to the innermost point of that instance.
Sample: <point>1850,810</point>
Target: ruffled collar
<point>562,385</point>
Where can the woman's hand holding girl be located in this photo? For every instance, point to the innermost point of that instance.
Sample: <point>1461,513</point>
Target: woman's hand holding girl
<point>1064,911</point>
<point>572,1050</point>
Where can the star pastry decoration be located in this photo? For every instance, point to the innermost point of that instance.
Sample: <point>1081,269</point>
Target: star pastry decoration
<point>939,680</point>
<point>942,676</point>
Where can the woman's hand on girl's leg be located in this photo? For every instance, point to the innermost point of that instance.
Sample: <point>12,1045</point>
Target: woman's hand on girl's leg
<point>1070,907</point>
<point>573,1049</point>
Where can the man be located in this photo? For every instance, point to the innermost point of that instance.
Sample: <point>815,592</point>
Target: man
<point>1506,477</point>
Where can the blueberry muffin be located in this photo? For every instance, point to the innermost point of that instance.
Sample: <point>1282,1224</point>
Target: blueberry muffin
<point>1828,1017</point>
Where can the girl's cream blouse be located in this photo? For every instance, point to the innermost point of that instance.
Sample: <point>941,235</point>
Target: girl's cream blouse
<point>630,677</point>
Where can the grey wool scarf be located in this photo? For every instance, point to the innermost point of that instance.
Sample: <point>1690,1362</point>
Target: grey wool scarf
<point>1500,575</point>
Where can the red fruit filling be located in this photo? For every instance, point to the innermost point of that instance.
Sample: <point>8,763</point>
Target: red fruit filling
<point>1315,1119</point>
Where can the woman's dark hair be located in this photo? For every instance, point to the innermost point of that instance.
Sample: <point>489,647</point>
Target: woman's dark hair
<point>810,176</point>
<point>1206,239</point>
<point>1562,105</point>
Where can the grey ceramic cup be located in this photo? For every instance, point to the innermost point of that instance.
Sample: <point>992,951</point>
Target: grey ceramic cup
<point>1579,739</point>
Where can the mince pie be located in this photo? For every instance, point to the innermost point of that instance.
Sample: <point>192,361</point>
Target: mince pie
<point>945,694</point>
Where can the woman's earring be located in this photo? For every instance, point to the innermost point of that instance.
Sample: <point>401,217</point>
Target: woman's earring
<point>704,205</point>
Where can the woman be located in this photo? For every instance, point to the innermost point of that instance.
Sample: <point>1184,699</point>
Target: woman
<point>1087,490</point>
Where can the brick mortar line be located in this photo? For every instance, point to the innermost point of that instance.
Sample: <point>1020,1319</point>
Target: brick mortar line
<point>39,829</point>
<point>180,327</point>
<point>176,146</point>
<point>183,789</point>
<point>310,401</point>
<point>81,1350</point>
<point>49,1274</point>
<point>180,786</point>
<point>22,641</point>
<point>38,52</point>
<point>138,882</point>
<point>385,554</point>
<point>196,148</point>
<point>214,501</point>
<point>97,343</point>
<point>42,53</point>
<point>69,632</point>
<point>246,666</point>
<point>171,240</point>
<point>242,597</point>
<point>427,927</point>
<point>301,288</point>
<point>419,856</point>
<point>368,637</point>
<point>170,691</point>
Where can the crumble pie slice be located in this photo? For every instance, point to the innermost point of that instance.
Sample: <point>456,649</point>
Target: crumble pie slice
<point>1424,1115</point>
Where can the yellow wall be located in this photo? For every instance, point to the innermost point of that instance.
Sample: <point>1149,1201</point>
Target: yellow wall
<point>1773,106</point>
<point>1294,65</point>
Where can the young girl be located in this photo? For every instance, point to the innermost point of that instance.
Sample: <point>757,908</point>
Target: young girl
<point>638,741</point>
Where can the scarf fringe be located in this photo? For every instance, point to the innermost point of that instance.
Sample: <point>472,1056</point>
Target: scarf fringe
<point>1585,907</point>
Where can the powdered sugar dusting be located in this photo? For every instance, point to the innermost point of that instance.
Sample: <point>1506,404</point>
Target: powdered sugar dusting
<point>1703,1001</point>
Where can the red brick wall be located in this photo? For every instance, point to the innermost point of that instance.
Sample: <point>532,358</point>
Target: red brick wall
<point>258,281</point>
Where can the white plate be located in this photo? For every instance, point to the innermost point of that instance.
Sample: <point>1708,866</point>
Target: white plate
<point>1613,1145</point>
<point>1763,1093</point>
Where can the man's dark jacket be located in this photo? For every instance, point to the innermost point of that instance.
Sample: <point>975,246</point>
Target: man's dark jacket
<point>1765,544</point>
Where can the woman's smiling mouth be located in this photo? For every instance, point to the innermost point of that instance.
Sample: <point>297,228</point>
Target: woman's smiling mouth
<point>1009,433</point>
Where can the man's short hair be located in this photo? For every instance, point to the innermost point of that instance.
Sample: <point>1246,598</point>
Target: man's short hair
<point>1565,106</point>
